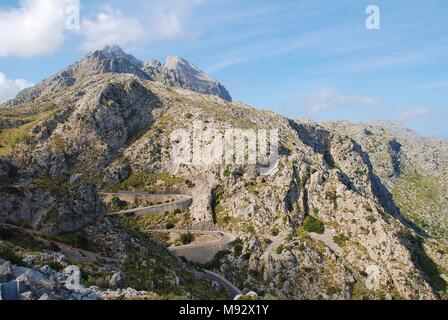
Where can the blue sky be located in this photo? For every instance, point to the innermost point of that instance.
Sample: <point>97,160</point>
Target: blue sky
<point>313,59</point>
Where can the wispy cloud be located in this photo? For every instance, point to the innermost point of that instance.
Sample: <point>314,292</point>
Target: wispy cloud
<point>278,45</point>
<point>325,98</point>
<point>414,113</point>
<point>254,52</point>
<point>156,20</point>
<point>9,88</point>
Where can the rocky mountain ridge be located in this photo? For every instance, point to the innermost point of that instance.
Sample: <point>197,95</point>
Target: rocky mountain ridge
<point>175,71</point>
<point>327,225</point>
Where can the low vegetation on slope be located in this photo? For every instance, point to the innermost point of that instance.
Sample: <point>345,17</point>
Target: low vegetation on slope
<point>416,195</point>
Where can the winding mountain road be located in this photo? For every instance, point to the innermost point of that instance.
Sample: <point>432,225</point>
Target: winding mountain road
<point>205,252</point>
<point>170,202</point>
<point>234,290</point>
<point>199,252</point>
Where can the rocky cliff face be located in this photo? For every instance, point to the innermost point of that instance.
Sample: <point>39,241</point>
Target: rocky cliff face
<point>413,167</point>
<point>330,223</point>
<point>50,208</point>
<point>91,132</point>
<point>178,72</point>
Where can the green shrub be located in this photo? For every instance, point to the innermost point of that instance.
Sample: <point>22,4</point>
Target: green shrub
<point>189,183</point>
<point>186,238</point>
<point>117,203</point>
<point>75,239</point>
<point>238,249</point>
<point>52,264</point>
<point>169,225</point>
<point>54,186</point>
<point>359,292</point>
<point>340,240</point>
<point>226,219</point>
<point>216,262</point>
<point>312,224</point>
<point>227,173</point>
<point>6,253</point>
<point>20,238</point>
<point>280,249</point>
<point>274,232</point>
<point>100,282</point>
<point>249,229</point>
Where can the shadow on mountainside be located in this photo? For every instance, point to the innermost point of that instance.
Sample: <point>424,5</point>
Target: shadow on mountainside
<point>385,196</point>
<point>423,262</point>
<point>320,141</point>
<point>113,115</point>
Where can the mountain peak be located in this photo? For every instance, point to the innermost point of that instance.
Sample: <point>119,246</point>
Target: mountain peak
<point>173,62</point>
<point>175,71</point>
<point>186,67</point>
<point>114,52</point>
<point>183,73</point>
<point>113,49</point>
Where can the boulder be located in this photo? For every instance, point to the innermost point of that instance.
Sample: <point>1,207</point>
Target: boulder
<point>253,295</point>
<point>60,258</point>
<point>47,271</point>
<point>32,274</point>
<point>118,281</point>
<point>12,290</point>
<point>130,292</point>
<point>29,259</point>
<point>39,283</point>
<point>46,296</point>
<point>6,273</point>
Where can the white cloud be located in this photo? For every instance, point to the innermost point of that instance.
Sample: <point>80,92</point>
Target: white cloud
<point>9,88</point>
<point>35,28</point>
<point>111,27</point>
<point>159,20</point>
<point>414,113</point>
<point>169,18</point>
<point>324,98</point>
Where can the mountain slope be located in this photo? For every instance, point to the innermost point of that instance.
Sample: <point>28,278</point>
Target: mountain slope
<point>324,226</point>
